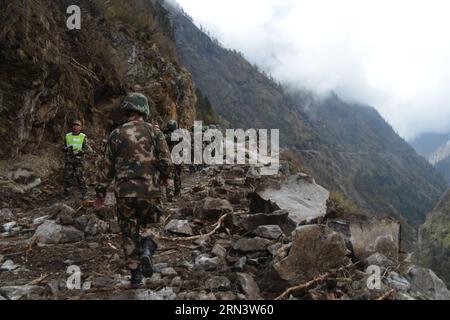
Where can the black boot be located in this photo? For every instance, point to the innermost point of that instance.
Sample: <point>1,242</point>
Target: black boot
<point>148,249</point>
<point>136,278</point>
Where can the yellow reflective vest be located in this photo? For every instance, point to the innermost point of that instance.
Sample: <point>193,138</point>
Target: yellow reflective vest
<point>75,141</point>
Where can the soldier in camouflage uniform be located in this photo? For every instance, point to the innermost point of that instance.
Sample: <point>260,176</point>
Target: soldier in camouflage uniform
<point>75,146</point>
<point>174,187</point>
<point>138,159</point>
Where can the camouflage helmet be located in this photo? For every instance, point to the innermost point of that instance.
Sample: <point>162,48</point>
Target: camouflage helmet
<point>76,122</point>
<point>172,125</point>
<point>136,102</point>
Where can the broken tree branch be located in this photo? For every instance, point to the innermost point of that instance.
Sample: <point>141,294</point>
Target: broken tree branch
<point>386,296</point>
<point>38,280</point>
<point>217,225</point>
<point>312,282</point>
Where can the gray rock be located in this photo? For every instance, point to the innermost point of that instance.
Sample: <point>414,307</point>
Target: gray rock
<point>282,252</point>
<point>21,292</point>
<point>176,282</point>
<point>377,259</point>
<point>155,280</point>
<point>102,282</point>
<point>251,244</point>
<point>95,226</point>
<point>114,227</point>
<point>65,218</point>
<point>219,251</point>
<point>25,178</point>
<point>226,296</point>
<point>52,233</point>
<point>169,272</point>
<point>202,242</point>
<point>403,296</point>
<point>92,227</point>
<point>218,283</point>
<point>315,249</point>
<point>269,231</point>
<point>274,248</point>
<point>159,266</point>
<point>299,195</point>
<point>251,221</point>
<point>426,284</point>
<point>55,210</point>
<point>240,264</point>
<point>87,285</point>
<point>1,258</point>
<point>206,296</point>
<point>248,286</point>
<point>395,281</point>
<point>206,262</point>
<point>214,208</point>
<point>377,235</point>
<point>238,170</point>
<point>40,220</point>
<point>8,226</point>
<point>81,222</point>
<point>163,294</point>
<point>9,265</point>
<point>181,227</point>
<point>6,213</point>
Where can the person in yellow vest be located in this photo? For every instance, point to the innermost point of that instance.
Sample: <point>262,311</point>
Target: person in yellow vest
<point>75,145</point>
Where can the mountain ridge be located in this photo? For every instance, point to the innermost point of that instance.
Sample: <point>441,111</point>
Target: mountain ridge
<point>315,127</point>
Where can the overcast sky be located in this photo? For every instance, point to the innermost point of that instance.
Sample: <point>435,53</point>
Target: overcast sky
<point>393,55</point>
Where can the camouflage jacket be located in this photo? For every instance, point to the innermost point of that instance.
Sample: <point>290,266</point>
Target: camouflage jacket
<point>138,158</point>
<point>170,143</point>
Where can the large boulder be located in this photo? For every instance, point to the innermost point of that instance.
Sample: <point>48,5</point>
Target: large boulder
<point>376,235</point>
<point>315,249</point>
<point>52,233</point>
<point>427,285</point>
<point>214,208</point>
<point>303,199</point>
<point>250,222</point>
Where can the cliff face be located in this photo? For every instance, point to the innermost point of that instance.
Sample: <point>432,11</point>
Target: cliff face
<point>346,147</point>
<point>50,75</point>
<point>434,239</point>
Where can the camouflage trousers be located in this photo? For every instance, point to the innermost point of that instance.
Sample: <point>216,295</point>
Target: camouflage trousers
<point>174,186</point>
<point>133,215</point>
<point>74,170</point>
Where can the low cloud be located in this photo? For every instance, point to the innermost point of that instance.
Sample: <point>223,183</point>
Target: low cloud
<point>393,55</point>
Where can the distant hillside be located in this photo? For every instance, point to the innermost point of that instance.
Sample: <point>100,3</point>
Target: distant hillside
<point>436,149</point>
<point>427,143</point>
<point>434,239</point>
<point>348,148</point>
<point>440,158</point>
<point>443,167</point>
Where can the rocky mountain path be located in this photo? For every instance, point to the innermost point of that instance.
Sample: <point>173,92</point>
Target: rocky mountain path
<point>231,235</point>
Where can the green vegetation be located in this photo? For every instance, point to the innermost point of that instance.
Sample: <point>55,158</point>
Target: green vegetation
<point>344,202</point>
<point>204,109</point>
